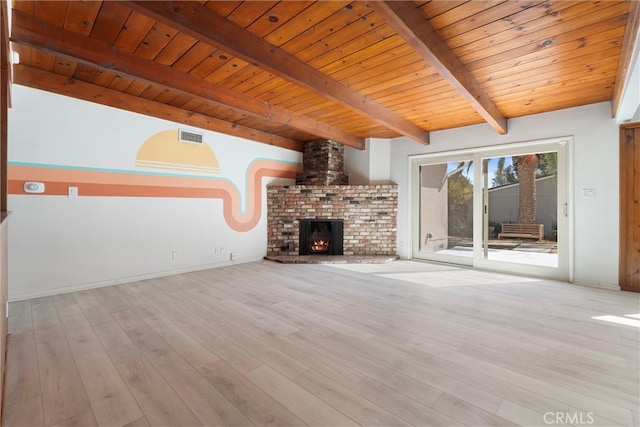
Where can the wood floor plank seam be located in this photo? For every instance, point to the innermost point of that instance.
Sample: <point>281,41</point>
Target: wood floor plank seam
<point>154,362</point>
<point>145,416</point>
<point>122,399</point>
<point>67,382</point>
<point>203,420</point>
<point>261,343</point>
<point>15,408</point>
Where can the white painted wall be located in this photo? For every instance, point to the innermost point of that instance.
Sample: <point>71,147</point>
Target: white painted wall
<point>356,164</point>
<point>379,164</point>
<point>58,243</point>
<point>595,165</point>
<point>371,165</point>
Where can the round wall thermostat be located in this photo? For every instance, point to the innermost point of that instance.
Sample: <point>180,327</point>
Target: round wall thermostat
<point>34,187</point>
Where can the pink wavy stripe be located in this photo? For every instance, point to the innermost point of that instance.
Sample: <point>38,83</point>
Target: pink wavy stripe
<point>112,184</point>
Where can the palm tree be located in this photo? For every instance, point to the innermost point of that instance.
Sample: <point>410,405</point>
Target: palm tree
<point>504,175</point>
<point>526,167</point>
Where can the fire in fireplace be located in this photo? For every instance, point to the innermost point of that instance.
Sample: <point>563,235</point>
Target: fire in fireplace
<point>321,237</point>
<point>320,245</point>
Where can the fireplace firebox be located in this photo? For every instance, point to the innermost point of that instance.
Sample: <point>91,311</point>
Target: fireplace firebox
<point>321,236</point>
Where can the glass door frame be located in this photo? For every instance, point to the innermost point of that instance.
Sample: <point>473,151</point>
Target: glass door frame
<point>563,145</point>
<point>433,159</point>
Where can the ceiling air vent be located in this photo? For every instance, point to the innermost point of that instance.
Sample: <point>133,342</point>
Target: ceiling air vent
<point>190,137</point>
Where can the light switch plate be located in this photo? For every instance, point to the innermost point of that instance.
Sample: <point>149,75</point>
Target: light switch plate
<point>588,193</point>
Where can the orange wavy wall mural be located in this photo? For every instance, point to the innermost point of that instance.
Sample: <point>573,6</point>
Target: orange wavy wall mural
<point>126,183</point>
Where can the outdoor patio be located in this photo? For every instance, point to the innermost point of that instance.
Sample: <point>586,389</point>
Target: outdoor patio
<point>543,253</point>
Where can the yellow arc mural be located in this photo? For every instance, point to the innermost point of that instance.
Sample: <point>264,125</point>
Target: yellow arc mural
<point>164,150</point>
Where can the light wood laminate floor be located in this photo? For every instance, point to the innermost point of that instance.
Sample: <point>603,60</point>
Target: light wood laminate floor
<point>395,344</point>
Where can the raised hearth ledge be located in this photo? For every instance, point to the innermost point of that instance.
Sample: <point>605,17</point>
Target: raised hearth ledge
<point>331,259</point>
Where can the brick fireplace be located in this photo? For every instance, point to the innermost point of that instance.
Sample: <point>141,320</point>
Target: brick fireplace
<point>367,213</point>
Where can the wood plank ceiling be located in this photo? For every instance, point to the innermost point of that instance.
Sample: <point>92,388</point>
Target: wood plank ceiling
<point>287,72</point>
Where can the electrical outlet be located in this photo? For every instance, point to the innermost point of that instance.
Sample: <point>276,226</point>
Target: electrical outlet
<point>72,191</point>
<point>232,256</point>
<point>174,255</point>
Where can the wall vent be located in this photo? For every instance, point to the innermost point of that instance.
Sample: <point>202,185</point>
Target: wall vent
<point>190,137</point>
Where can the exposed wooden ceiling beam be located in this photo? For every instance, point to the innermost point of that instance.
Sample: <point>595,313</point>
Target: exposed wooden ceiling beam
<point>62,85</point>
<point>5,102</point>
<point>405,18</point>
<point>6,48</point>
<point>204,24</point>
<point>624,62</point>
<point>40,35</point>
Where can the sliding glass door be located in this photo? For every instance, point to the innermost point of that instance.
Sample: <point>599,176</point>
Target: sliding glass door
<point>520,194</point>
<point>501,208</point>
<point>445,220</point>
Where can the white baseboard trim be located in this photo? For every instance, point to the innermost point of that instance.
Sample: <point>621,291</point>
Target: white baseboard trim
<point>121,280</point>
<point>607,286</point>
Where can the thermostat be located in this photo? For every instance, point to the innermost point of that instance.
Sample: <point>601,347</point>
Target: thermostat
<point>34,187</point>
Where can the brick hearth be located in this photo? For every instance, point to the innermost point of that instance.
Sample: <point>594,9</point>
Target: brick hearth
<point>369,211</point>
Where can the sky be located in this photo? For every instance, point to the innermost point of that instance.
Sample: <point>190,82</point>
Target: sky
<point>493,165</point>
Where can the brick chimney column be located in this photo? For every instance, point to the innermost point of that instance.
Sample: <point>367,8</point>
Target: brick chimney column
<point>323,163</point>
